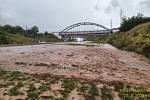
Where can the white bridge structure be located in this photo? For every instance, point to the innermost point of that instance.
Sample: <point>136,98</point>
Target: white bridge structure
<point>84,31</point>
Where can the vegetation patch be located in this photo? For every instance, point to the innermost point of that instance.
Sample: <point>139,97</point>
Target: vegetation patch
<point>93,92</point>
<point>17,35</point>
<point>106,93</point>
<point>36,86</point>
<point>15,91</point>
<point>68,85</point>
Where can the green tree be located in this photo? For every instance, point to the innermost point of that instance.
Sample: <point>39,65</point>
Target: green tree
<point>45,32</point>
<point>34,30</point>
<point>3,38</point>
<point>8,28</point>
<point>129,23</point>
<point>19,29</point>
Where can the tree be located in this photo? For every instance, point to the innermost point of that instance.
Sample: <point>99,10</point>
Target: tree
<point>45,32</point>
<point>129,23</point>
<point>3,38</point>
<point>33,30</point>
<point>19,29</point>
<point>12,29</point>
<point>8,28</point>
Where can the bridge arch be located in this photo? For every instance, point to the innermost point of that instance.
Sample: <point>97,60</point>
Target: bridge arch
<point>83,23</point>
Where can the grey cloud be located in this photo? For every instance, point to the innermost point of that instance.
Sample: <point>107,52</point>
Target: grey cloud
<point>54,15</point>
<point>114,4</point>
<point>145,4</point>
<point>108,9</point>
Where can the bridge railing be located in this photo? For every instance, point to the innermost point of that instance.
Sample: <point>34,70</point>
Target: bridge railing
<point>86,32</point>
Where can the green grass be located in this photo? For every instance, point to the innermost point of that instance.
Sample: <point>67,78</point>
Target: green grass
<point>7,38</point>
<point>68,85</point>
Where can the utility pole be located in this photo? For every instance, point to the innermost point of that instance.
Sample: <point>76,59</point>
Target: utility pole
<point>121,16</point>
<point>26,27</point>
<point>111,26</point>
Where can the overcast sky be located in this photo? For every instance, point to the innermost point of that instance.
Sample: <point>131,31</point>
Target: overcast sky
<point>54,15</point>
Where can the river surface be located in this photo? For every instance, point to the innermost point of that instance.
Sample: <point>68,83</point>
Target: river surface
<point>84,60</point>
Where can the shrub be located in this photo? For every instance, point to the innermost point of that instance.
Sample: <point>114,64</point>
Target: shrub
<point>146,51</point>
<point>106,93</point>
<point>32,93</point>
<point>68,85</point>
<point>14,91</point>
<point>93,91</point>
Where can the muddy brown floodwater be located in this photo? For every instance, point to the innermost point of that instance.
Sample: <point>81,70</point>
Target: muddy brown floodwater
<point>101,63</point>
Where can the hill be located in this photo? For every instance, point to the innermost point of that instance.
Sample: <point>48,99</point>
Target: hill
<point>10,37</point>
<point>7,38</point>
<point>136,39</point>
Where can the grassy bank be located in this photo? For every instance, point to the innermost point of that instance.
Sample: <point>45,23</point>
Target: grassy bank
<point>135,40</point>
<point>18,38</point>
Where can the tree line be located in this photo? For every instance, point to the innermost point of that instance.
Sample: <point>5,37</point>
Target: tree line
<point>129,23</point>
<point>18,35</point>
<point>19,30</point>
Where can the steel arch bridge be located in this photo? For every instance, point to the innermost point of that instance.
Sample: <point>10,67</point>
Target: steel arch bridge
<point>67,31</point>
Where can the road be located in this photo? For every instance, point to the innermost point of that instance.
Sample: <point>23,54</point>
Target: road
<point>88,61</point>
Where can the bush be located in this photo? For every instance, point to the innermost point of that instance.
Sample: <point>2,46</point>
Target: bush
<point>3,37</point>
<point>32,93</point>
<point>15,91</point>
<point>107,93</point>
<point>146,51</point>
<point>68,85</point>
<point>93,91</point>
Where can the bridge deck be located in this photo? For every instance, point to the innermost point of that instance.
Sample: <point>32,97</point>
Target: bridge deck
<point>86,32</point>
